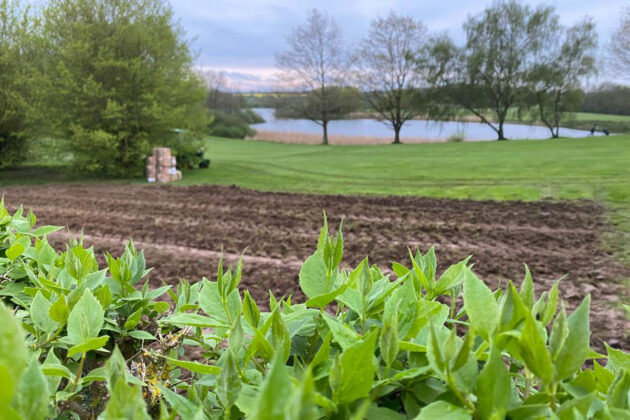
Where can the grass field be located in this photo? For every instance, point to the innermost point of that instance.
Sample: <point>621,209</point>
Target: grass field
<point>513,170</point>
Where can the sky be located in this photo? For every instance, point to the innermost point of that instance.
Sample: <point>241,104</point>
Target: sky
<point>240,38</point>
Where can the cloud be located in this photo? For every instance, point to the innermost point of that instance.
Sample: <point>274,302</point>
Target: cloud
<point>241,37</point>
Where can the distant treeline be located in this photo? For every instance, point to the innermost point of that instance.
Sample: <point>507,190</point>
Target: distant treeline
<point>608,99</point>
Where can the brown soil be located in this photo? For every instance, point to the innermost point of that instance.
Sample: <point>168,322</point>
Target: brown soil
<point>184,229</point>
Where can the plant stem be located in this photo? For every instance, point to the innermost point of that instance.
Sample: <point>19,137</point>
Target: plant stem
<point>79,372</point>
<point>49,339</point>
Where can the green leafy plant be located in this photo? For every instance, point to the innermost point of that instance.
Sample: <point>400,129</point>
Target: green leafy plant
<point>418,343</point>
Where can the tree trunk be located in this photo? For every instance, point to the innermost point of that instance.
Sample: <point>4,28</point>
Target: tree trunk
<point>500,132</point>
<point>325,136</point>
<point>397,135</point>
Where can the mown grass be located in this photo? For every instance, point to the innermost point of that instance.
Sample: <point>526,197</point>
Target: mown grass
<point>593,168</point>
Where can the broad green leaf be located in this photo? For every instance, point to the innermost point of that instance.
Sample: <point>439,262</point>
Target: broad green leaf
<point>323,300</point>
<point>40,314</point>
<point>481,306</point>
<point>275,393</point>
<point>534,351</point>
<point>452,277</point>
<point>86,319</point>
<point>59,310</point>
<point>14,251</point>
<point>12,337</point>
<point>389,342</point>
<point>32,395</point>
<point>352,374</point>
<point>551,305</point>
<point>345,336</point>
<point>194,366</point>
<point>133,320</point>
<point>251,313</point>
<point>6,389</point>
<point>161,307</point>
<point>125,402</point>
<point>46,230</point>
<point>280,339</point>
<point>494,388</point>
<point>193,320</point>
<point>619,392</point>
<point>303,400</point>
<point>443,410</point>
<point>559,333</point>
<point>617,360</point>
<point>50,369</point>
<point>141,335</point>
<point>527,289</point>
<point>313,276</point>
<point>576,346</point>
<point>229,381</point>
<point>87,345</point>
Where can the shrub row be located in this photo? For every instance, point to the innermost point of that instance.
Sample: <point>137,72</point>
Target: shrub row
<point>79,341</point>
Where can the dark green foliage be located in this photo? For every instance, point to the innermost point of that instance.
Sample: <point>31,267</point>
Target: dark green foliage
<point>608,99</point>
<point>121,81</point>
<point>189,151</point>
<point>235,126</point>
<point>366,344</point>
<point>20,78</point>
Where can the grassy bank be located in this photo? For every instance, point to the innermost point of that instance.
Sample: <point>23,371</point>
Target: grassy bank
<point>513,170</point>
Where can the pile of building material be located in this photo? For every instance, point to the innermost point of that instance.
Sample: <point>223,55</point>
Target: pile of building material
<point>162,167</point>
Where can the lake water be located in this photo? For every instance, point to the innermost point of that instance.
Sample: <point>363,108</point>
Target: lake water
<point>414,129</point>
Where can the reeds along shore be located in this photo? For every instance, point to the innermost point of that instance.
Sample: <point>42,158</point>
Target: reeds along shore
<point>302,138</point>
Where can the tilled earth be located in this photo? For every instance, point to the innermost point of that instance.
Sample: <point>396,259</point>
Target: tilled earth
<point>183,231</point>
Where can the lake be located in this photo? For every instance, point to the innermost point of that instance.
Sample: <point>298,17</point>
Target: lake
<point>414,130</point>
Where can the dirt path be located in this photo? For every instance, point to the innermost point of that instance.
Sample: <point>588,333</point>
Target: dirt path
<point>184,229</point>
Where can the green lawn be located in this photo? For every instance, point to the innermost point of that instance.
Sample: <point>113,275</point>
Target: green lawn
<point>596,168</point>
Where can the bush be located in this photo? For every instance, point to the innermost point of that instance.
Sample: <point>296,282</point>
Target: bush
<point>13,150</point>
<point>78,338</point>
<point>189,151</point>
<point>235,126</point>
<point>458,136</point>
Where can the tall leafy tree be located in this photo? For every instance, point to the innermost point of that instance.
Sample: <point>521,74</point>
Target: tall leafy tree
<point>121,80</point>
<point>490,71</point>
<point>19,79</point>
<point>318,63</point>
<point>620,46</point>
<point>388,73</point>
<point>555,80</point>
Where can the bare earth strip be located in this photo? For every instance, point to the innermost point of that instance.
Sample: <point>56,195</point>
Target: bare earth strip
<point>183,231</point>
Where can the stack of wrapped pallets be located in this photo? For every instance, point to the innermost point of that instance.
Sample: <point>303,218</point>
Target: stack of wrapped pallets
<point>161,166</point>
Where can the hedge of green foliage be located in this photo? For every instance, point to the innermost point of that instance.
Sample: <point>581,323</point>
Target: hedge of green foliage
<point>79,341</point>
<point>235,126</point>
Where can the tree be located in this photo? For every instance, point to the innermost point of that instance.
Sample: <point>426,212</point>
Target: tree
<point>491,70</point>
<point>318,64</point>
<point>620,46</point>
<point>19,78</point>
<point>388,72</point>
<point>121,81</point>
<point>555,79</point>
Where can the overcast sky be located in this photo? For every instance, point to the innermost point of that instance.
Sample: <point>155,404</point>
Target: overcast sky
<point>241,37</point>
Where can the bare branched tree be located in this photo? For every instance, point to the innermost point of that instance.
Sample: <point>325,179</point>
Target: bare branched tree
<point>490,71</point>
<point>620,46</point>
<point>387,68</point>
<point>317,63</point>
<point>568,57</point>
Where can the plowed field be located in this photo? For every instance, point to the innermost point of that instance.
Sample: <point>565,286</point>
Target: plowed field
<point>184,229</point>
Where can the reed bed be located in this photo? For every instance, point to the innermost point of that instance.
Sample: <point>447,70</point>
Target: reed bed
<point>303,138</point>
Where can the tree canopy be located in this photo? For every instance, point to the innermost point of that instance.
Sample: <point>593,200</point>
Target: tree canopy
<point>121,80</point>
